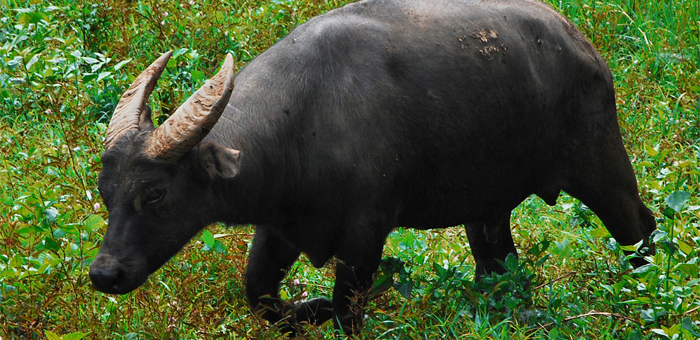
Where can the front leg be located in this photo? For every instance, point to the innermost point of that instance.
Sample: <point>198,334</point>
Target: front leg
<point>269,261</point>
<point>358,256</point>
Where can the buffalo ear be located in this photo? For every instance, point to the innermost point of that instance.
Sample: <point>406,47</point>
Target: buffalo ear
<point>219,161</point>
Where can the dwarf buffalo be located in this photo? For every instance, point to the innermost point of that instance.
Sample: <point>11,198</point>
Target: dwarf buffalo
<point>380,114</point>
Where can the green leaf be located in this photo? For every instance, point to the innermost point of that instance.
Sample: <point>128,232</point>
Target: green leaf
<point>648,315</point>
<point>382,281</point>
<point>405,289</point>
<point>29,230</point>
<point>688,325</point>
<point>539,248</point>
<point>643,269</point>
<point>90,60</point>
<point>193,54</point>
<point>12,63</point>
<point>219,247</point>
<point>51,214</point>
<point>554,334</point>
<point>677,199</point>
<point>600,232</point>
<point>197,76</point>
<point>631,247</point>
<point>685,248</point>
<point>88,77</point>
<point>122,63</point>
<point>208,238</point>
<point>659,332</point>
<point>58,233</point>
<point>94,222</point>
<point>32,61</point>
<point>69,228</point>
<point>103,75</point>
<point>658,235</point>
<point>651,150</point>
<point>30,17</point>
<point>51,335</point>
<point>688,269</point>
<point>49,243</point>
<point>74,336</point>
<point>179,52</point>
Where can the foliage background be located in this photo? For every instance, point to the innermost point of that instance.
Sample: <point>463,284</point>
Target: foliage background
<point>64,64</point>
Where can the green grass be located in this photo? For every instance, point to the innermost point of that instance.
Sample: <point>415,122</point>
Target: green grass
<point>64,65</point>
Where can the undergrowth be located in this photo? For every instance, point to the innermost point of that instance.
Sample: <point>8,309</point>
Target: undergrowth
<point>64,64</point>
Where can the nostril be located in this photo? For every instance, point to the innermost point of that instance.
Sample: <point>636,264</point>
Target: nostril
<point>105,273</point>
<point>105,277</point>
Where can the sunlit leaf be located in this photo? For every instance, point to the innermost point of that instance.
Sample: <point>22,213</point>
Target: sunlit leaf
<point>29,230</point>
<point>90,60</point>
<point>684,164</point>
<point>94,222</point>
<point>14,62</point>
<point>600,232</point>
<point>208,238</point>
<point>103,75</point>
<point>631,247</point>
<point>197,76</point>
<point>30,17</point>
<point>51,335</point>
<point>651,151</point>
<point>688,269</point>
<point>74,336</point>
<point>643,269</point>
<point>122,63</point>
<point>677,199</point>
<point>32,61</point>
<point>58,233</point>
<point>179,52</point>
<point>51,214</point>
<point>684,247</point>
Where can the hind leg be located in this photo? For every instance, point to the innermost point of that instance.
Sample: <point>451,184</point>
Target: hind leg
<point>604,180</point>
<point>490,242</point>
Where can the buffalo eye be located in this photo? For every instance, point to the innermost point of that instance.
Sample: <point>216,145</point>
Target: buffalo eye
<point>154,195</point>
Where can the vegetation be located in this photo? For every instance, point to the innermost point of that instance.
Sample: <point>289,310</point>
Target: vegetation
<point>64,65</point>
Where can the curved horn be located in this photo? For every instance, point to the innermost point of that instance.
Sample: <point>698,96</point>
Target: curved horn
<point>132,103</point>
<point>193,119</point>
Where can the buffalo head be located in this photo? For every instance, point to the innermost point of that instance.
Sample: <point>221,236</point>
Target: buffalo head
<point>152,176</point>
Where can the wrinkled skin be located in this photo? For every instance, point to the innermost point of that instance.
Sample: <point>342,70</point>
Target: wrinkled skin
<point>378,115</point>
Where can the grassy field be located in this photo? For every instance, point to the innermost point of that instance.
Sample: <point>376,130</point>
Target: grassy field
<point>64,64</point>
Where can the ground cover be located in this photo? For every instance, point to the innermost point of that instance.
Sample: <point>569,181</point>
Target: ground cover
<point>64,64</point>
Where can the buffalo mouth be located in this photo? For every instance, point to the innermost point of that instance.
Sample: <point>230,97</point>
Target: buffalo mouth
<point>111,275</point>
